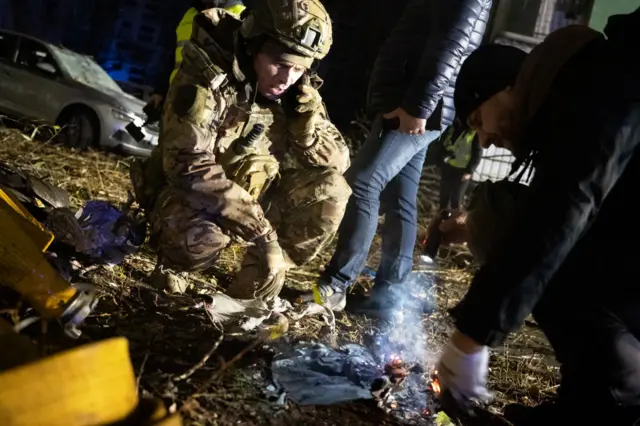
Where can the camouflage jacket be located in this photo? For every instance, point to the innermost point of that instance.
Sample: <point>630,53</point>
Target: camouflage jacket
<point>211,104</point>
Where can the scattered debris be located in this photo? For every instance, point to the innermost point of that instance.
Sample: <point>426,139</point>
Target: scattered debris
<point>169,335</point>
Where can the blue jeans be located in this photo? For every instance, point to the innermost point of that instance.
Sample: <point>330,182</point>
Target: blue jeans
<point>386,169</point>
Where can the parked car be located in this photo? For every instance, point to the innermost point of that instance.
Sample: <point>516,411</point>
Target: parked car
<point>50,83</point>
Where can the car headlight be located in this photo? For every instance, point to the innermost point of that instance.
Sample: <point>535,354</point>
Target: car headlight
<point>123,116</point>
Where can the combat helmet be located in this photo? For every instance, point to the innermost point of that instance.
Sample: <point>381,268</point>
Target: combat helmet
<point>303,26</point>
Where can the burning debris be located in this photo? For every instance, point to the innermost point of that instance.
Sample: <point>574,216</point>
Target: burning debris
<point>434,385</point>
<point>392,397</point>
<point>314,374</point>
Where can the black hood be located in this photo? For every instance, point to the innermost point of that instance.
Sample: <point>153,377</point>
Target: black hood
<point>623,28</point>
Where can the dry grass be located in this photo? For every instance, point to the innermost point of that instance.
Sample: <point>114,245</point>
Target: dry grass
<point>169,335</point>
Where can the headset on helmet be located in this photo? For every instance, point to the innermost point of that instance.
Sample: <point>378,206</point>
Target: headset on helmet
<point>302,25</point>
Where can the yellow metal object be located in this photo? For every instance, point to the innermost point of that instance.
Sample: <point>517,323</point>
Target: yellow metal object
<point>22,264</point>
<point>88,386</point>
<point>160,418</point>
<point>41,237</point>
<point>91,385</point>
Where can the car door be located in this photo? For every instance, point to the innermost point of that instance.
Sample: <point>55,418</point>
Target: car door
<point>9,90</point>
<point>39,79</point>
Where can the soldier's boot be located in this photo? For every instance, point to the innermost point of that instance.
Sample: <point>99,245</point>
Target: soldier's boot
<point>324,294</point>
<point>169,280</point>
<point>255,280</point>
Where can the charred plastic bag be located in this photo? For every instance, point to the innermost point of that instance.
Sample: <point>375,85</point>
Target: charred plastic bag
<point>109,234</point>
<point>319,375</point>
<point>99,231</point>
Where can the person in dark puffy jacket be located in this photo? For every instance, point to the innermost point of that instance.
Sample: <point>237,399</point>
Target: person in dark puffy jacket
<point>569,256</point>
<point>415,67</point>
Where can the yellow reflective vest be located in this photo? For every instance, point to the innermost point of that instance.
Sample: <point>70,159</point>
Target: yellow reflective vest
<point>185,27</point>
<point>460,149</point>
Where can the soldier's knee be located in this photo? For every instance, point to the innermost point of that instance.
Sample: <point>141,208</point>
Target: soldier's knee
<point>193,247</point>
<point>333,193</point>
<point>183,239</point>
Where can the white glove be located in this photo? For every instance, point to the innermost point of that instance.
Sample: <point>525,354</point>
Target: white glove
<point>465,375</point>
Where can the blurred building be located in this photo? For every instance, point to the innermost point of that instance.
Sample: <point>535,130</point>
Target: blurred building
<point>138,46</point>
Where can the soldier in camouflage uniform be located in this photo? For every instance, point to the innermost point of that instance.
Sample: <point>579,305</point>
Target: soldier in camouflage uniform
<point>216,175</point>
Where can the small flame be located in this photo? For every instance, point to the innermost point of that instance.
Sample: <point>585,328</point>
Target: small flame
<point>435,383</point>
<point>393,405</point>
<point>435,386</point>
<point>425,413</point>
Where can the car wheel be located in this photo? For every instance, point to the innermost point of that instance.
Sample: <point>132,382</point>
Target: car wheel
<point>79,129</point>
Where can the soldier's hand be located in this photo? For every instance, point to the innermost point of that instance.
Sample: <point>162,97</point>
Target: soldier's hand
<point>274,264</point>
<point>453,230</point>
<point>302,104</point>
<point>308,99</point>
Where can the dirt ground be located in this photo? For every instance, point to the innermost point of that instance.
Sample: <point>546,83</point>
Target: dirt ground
<point>169,335</point>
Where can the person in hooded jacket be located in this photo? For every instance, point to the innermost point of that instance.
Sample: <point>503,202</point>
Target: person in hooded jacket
<point>571,110</point>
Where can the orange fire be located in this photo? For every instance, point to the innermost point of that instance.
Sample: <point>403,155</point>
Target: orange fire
<point>435,383</point>
<point>435,387</point>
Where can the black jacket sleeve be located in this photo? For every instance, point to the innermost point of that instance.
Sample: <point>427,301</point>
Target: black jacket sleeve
<point>476,156</point>
<point>572,180</point>
<point>451,24</point>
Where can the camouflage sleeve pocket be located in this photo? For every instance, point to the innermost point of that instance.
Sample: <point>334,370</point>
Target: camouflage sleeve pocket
<point>190,104</point>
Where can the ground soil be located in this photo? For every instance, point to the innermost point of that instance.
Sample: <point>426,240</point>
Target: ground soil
<point>168,335</point>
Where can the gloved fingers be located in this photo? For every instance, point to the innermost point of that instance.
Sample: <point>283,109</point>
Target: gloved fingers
<point>272,285</point>
<point>304,108</point>
<point>308,94</point>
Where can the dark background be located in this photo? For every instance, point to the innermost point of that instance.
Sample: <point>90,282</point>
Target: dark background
<point>129,38</point>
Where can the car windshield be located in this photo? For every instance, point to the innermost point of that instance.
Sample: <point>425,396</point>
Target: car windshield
<point>85,70</point>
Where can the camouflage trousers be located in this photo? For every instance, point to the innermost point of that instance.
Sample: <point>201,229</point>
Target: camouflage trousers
<point>305,208</point>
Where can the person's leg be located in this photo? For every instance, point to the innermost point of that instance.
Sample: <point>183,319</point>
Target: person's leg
<point>378,162</point>
<point>306,209</point>
<point>400,226</point>
<point>185,239</point>
<point>445,186</point>
<point>458,187</point>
